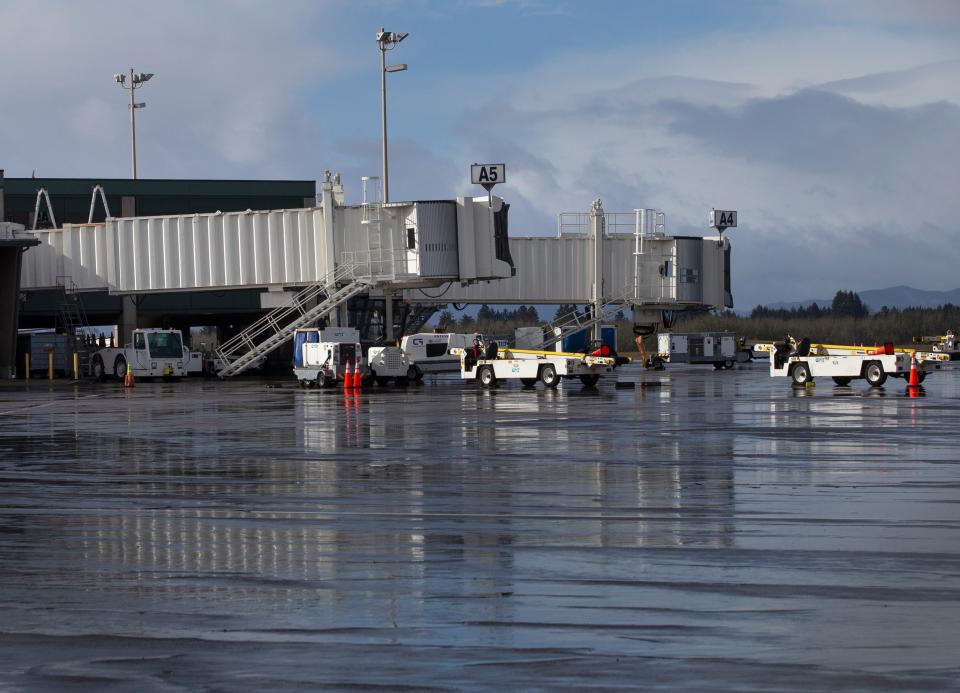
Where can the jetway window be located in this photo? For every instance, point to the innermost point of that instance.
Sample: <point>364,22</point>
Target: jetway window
<point>411,238</point>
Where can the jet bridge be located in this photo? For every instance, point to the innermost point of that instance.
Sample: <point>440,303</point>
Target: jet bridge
<point>607,259</point>
<point>401,245</point>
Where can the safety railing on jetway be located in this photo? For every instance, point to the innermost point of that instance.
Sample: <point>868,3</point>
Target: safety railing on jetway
<point>578,223</point>
<point>382,264</point>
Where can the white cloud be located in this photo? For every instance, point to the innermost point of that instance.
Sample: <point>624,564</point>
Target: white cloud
<point>839,149</point>
<point>225,99</point>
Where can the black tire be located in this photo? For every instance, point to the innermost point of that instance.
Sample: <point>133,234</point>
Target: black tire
<point>590,380</point>
<point>842,382</point>
<point>417,374</point>
<point>548,375</point>
<point>874,373</point>
<point>97,370</point>
<point>321,381</point>
<point>120,368</point>
<point>486,376</point>
<point>382,380</point>
<point>717,366</point>
<point>728,365</point>
<point>402,382</point>
<point>800,374</point>
<point>528,382</point>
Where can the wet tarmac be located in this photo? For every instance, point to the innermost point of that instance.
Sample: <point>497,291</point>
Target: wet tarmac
<point>702,531</point>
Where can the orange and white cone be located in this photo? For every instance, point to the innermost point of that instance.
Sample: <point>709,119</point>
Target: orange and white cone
<point>357,377</point>
<point>348,376</point>
<point>914,381</point>
<point>128,378</point>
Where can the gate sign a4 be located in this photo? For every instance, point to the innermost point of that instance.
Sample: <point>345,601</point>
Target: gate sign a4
<point>488,175</point>
<point>723,219</point>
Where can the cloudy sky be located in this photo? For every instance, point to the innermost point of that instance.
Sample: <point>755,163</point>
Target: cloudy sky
<point>833,126</point>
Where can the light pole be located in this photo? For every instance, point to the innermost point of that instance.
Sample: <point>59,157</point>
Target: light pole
<point>136,81</point>
<point>387,40</point>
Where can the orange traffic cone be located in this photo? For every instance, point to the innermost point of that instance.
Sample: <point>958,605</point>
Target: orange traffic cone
<point>348,376</point>
<point>357,377</point>
<point>128,378</point>
<point>914,375</point>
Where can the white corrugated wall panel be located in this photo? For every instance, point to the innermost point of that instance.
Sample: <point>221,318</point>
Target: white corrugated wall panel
<point>275,236</point>
<point>41,263</point>
<point>250,248</point>
<point>186,260</point>
<point>201,251</point>
<point>231,248</point>
<point>153,278</point>
<point>314,217</point>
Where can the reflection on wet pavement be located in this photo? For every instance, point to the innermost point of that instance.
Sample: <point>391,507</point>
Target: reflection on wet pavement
<point>703,531</point>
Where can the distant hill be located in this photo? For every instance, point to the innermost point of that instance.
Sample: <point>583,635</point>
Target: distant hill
<point>892,297</point>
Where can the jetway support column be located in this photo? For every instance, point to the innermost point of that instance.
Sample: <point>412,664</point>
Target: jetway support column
<point>597,230</point>
<point>128,319</point>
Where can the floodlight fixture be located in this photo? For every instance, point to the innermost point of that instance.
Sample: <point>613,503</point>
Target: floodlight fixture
<point>387,41</point>
<point>136,81</point>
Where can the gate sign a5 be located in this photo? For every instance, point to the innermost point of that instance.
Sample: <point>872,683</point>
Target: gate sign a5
<point>723,219</point>
<point>488,175</point>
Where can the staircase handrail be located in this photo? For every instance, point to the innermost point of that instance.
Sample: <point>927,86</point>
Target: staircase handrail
<point>282,333</point>
<point>270,320</point>
<point>571,323</point>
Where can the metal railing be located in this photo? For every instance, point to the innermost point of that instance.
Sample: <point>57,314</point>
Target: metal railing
<point>578,223</point>
<point>270,331</point>
<point>575,322</point>
<point>380,264</point>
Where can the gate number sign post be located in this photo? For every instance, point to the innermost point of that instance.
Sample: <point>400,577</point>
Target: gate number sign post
<point>488,175</point>
<point>723,219</point>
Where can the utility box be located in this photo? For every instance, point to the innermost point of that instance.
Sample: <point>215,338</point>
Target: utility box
<point>38,345</point>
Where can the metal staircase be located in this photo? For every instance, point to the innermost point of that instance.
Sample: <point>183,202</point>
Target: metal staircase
<point>273,329</point>
<point>73,319</point>
<point>417,315</point>
<point>572,323</point>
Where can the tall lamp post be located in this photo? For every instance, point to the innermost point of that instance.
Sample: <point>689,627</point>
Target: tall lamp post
<point>136,81</point>
<point>387,40</point>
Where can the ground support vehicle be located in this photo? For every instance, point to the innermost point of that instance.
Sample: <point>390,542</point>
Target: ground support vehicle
<point>430,352</point>
<point>390,363</point>
<point>803,362</point>
<point>946,344</point>
<point>489,366</point>
<point>320,356</point>
<point>154,353</point>
<point>722,349</point>
<point>195,362</point>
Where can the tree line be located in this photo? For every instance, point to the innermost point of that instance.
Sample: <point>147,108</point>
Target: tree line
<point>846,321</point>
